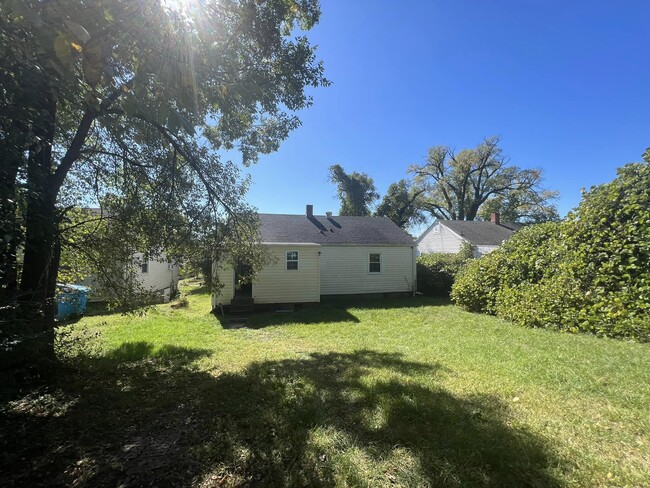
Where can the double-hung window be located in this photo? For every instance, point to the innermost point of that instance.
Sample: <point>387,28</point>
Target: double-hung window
<point>144,266</point>
<point>374,263</point>
<point>292,260</point>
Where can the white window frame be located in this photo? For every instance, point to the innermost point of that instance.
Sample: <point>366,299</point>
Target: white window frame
<point>371,262</point>
<point>297,260</point>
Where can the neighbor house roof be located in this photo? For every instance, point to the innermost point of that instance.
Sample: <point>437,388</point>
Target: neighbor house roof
<point>482,233</point>
<point>320,229</point>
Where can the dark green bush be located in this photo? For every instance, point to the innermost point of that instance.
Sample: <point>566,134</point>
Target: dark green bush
<point>476,285</point>
<point>437,271</point>
<point>590,273</point>
<point>526,257</point>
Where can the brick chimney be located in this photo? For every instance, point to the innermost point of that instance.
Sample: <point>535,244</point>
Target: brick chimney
<point>310,211</point>
<point>495,218</point>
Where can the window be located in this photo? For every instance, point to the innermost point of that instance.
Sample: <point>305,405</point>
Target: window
<point>292,259</point>
<point>144,267</point>
<point>374,263</point>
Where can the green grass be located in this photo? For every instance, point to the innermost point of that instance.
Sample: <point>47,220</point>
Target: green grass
<point>410,392</point>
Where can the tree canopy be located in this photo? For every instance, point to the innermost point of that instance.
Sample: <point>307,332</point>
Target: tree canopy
<point>356,191</point>
<point>401,204</point>
<point>532,206</point>
<point>457,185</point>
<point>127,105</point>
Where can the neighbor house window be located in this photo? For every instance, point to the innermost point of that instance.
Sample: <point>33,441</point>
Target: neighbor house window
<point>374,263</point>
<point>144,267</point>
<point>292,259</point>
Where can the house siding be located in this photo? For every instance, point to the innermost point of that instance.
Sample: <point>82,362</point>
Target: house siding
<point>344,270</point>
<point>225,273</point>
<point>276,284</point>
<point>482,250</point>
<point>159,276</point>
<point>442,241</point>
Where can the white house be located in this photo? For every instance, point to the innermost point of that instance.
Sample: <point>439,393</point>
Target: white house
<point>448,236</point>
<point>156,275</point>
<point>324,255</point>
<point>153,275</point>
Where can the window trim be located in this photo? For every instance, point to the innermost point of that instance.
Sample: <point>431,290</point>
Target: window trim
<point>370,262</point>
<point>287,261</point>
<point>144,264</point>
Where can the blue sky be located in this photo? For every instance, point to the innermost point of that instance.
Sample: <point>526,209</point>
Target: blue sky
<point>565,84</point>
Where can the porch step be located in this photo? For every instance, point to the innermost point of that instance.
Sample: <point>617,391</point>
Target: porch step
<point>242,305</point>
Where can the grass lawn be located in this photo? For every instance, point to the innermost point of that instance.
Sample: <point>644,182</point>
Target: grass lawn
<point>410,392</point>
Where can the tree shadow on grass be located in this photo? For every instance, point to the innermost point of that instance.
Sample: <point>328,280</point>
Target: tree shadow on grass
<point>330,311</point>
<point>139,417</point>
<point>386,303</point>
<point>312,315</point>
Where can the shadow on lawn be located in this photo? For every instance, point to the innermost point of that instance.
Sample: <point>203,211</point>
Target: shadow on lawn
<point>312,315</point>
<point>142,417</point>
<point>330,310</point>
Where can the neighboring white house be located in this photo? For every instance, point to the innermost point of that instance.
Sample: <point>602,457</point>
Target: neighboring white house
<point>157,274</point>
<point>448,236</point>
<point>325,255</point>
<point>154,275</point>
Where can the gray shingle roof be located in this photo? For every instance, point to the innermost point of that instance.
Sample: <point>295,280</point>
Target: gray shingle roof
<point>482,233</point>
<point>320,229</point>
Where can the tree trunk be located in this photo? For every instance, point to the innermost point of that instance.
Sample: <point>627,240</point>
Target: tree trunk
<point>38,277</point>
<point>12,157</point>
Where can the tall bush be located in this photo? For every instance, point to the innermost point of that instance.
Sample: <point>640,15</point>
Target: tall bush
<point>437,271</point>
<point>590,273</point>
<point>526,257</point>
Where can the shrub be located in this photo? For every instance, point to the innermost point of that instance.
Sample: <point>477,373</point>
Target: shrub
<point>609,234</point>
<point>590,273</point>
<point>551,304</point>
<point>477,283</point>
<point>526,257</point>
<point>437,271</point>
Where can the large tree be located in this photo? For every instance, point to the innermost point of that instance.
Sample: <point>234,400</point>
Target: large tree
<point>531,206</point>
<point>128,104</point>
<point>356,191</point>
<point>457,185</point>
<point>401,204</point>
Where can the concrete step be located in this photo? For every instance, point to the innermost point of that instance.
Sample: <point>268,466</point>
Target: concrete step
<point>242,305</point>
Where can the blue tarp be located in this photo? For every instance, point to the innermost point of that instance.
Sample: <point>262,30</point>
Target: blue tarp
<point>71,300</point>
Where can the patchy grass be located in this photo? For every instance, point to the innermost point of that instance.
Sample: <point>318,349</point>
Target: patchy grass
<point>410,392</point>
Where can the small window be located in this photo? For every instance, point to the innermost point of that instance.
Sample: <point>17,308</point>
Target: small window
<point>374,263</point>
<point>292,259</point>
<point>144,267</point>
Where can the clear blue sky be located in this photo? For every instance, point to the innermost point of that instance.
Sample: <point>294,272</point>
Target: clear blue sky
<point>566,85</point>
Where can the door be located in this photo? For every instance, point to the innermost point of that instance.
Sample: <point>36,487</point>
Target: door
<point>243,282</point>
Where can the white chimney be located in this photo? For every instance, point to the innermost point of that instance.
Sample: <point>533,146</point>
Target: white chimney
<point>329,215</point>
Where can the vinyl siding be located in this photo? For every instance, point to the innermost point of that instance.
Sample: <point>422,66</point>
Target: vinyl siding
<point>442,241</point>
<point>344,270</point>
<point>276,284</point>
<point>482,250</point>
<point>226,276</point>
<point>159,276</point>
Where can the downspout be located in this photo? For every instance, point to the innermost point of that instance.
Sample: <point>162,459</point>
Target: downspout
<point>414,270</point>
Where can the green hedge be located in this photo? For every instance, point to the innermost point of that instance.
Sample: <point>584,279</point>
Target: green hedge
<point>437,271</point>
<point>590,273</point>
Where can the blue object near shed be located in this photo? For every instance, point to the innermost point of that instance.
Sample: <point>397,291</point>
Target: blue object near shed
<point>70,300</point>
